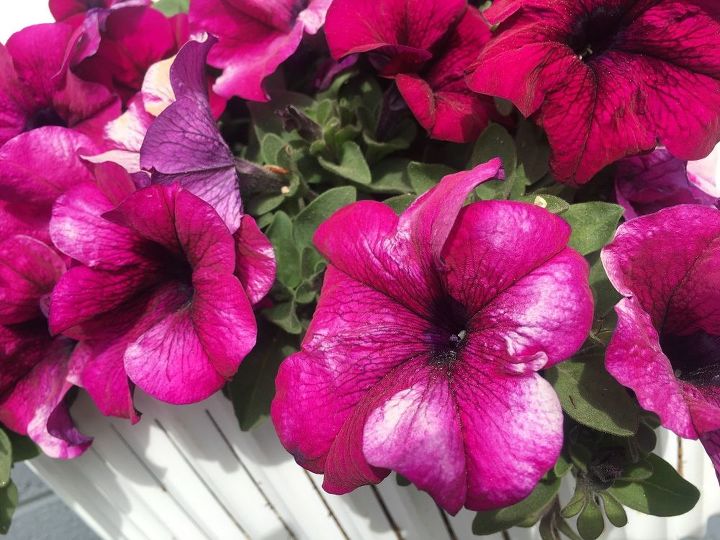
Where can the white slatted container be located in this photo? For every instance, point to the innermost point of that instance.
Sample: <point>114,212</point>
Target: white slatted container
<point>190,473</point>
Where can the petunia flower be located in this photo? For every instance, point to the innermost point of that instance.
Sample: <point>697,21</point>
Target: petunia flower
<point>117,46</point>
<point>36,91</point>
<point>667,343</point>
<point>255,37</point>
<point>427,47</point>
<point>605,79</point>
<point>647,183</point>
<point>183,143</point>
<point>423,353</point>
<point>154,297</point>
<point>66,9</point>
<point>30,186</point>
<point>34,365</point>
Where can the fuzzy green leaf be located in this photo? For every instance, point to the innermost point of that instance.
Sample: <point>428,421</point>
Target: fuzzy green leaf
<point>530,508</point>
<point>663,494</point>
<point>8,504</point>
<point>310,218</point>
<point>6,458</point>
<point>287,255</point>
<point>400,203</point>
<point>590,395</point>
<point>253,386</point>
<point>285,316</point>
<point>352,164</point>
<point>391,176</point>
<point>425,176</point>
<point>604,293</point>
<point>172,7</point>
<point>593,224</point>
<point>533,150</point>
<point>590,523</point>
<point>614,510</point>
<point>551,203</point>
<point>22,447</point>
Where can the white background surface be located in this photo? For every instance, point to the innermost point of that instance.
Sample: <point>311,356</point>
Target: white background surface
<point>15,15</point>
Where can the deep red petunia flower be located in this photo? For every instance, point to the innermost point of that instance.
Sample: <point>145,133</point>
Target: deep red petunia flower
<point>423,353</point>
<point>608,78</point>
<point>426,46</point>
<point>667,343</point>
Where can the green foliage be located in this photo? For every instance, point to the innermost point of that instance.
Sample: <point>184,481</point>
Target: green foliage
<point>589,395</point>
<point>253,387</point>
<point>593,225</point>
<point>172,7</point>
<point>13,449</point>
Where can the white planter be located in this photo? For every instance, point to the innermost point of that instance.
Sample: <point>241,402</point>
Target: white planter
<point>189,472</point>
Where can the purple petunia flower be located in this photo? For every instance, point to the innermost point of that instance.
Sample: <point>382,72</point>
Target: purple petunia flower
<point>33,365</point>
<point>667,343</point>
<point>650,182</point>
<point>608,79</point>
<point>422,355</point>
<point>161,294</point>
<point>427,47</point>
<point>183,143</point>
<point>255,37</point>
<point>35,89</point>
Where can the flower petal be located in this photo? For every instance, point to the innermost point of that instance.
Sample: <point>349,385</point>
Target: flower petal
<point>254,260</point>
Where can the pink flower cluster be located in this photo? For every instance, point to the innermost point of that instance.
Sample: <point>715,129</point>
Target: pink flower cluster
<point>127,259</point>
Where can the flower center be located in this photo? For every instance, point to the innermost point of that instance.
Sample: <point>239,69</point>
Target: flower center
<point>446,354</point>
<point>45,117</point>
<point>595,32</point>
<point>694,358</point>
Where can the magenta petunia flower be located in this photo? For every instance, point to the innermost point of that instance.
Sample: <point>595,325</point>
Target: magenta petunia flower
<point>34,365</point>
<point>255,37</point>
<point>423,353</point>
<point>65,9</point>
<point>606,79</point>
<point>29,187</point>
<point>650,182</point>
<point>36,91</point>
<point>117,46</point>
<point>154,296</point>
<point>667,343</point>
<point>183,143</point>
<point>427,47</point>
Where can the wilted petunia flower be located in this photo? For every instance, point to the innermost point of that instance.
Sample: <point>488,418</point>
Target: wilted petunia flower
<point>423,353</point>
<point>183,143</point>
<point>427,47</point>
<point>667,343</point>
<point>155,296</point>
<point>607,79</point>
<point>650,182</point>
<point>34,365</point>
<point>36,91</point>
<point>255,37</point>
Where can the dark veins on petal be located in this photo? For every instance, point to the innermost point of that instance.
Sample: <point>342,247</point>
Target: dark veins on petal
<point>45,117</point>
<point>596,32</point>
<point>695,358</point>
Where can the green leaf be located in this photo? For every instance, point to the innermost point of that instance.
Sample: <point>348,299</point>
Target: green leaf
<point>593,224</point>
<point>6,458</point>
<point>642,470</point>
<point>284,315</point>
<point>270,146</point>
<point>493,521</point>
<point>172,7</point>
<point>425,176</point>
<point>8,503</point>
<point>614,510</point>
<point>264,117</point>
<point>22,447</point>
<point>562,466</point>
<point>646,438</point>
<point>504,106</point>
<point>551,203</point>
<point>604,293</point>
<point>287,255</point>
<point>590,396</point>
<point>400,203</point>
<point>664,494</point>
<point>352,164</point>
<point>577,503</point>
<point>401,480</point>
<point>377,150</point>
<point>590,523</point>
<point>253,387</point>
<point>391,176</point>
<point>310,218</point>
<point>494,142</point>
<point>533,150</point>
